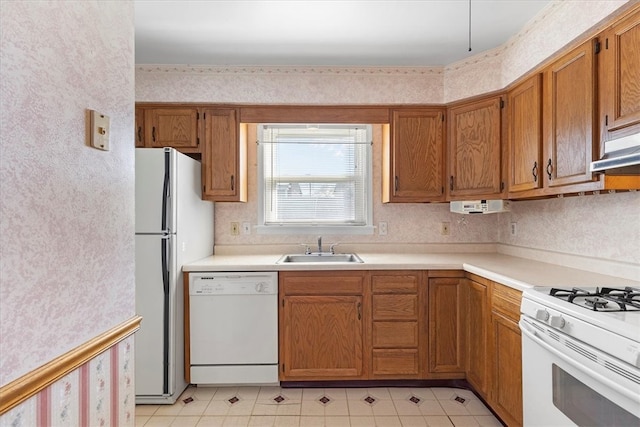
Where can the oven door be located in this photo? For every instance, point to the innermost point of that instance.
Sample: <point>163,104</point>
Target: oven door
<point>566,383</point>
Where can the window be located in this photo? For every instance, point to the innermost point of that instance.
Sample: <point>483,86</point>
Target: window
<point>314,178</point>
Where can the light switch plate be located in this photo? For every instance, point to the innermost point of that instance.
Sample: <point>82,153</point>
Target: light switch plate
<point>99,131</point>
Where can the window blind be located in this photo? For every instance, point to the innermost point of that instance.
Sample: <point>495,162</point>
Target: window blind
<point>315,174</point>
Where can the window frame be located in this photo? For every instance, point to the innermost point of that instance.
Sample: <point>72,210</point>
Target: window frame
<point>310,228</point>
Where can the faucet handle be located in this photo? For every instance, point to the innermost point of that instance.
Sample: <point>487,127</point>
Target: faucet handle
<point>307,248</point>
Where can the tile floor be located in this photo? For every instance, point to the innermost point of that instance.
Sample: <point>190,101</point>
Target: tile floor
<point>330,407</point>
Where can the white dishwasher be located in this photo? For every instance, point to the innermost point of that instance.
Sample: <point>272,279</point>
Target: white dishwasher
<point>233,328</point>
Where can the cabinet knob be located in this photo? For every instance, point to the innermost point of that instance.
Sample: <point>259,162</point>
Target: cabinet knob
<point>139,133</point>
<point>549,169</point>
<point>153,134</point>
<point>396,183</point>
<point>232,183</point>
<point>534,171</point>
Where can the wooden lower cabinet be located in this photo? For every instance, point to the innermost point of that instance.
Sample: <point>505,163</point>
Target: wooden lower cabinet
<point>397,325</point>
<point>398,332</point>
<point>323,336</point>
<point>506,399</point>
<point>477,337</point>
<point>446,336</point>
<point>322,326</point>
<point>506,354</point>
<point>494,346</point>
<point>344,325</point>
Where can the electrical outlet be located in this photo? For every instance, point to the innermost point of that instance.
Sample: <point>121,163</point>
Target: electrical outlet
<point>382,228</point>
<point>514,228</point>
<point>235,228</point>
<point>246,228</point>
<point>444,228</point>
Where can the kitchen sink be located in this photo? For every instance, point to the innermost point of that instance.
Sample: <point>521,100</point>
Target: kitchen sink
<point>319,258</point>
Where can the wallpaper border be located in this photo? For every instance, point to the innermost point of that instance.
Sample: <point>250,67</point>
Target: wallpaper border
<point>30,384</point>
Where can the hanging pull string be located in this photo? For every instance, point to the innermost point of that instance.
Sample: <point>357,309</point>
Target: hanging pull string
<point>469,25</point>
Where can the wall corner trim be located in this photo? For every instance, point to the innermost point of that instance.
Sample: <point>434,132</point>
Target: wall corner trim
<point>21,389</point>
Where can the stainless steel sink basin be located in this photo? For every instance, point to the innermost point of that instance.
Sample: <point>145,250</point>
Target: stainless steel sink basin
<point>319,258</point>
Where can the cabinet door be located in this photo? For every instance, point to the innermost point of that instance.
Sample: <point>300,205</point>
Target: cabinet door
<point>224,156</point>
<point>414,158</point>
<point>620,78</point>
<point>477,356</point>
<point>569,117</point>
<point>475,149</point>
<point>507,379</point>
<point>322,338</point>
<point>139,130</point>
<point>172,127</point>
<point>445,332</point>
<point>524,105</point>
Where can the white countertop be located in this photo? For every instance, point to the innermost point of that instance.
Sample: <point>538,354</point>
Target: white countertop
<point>515,272</point>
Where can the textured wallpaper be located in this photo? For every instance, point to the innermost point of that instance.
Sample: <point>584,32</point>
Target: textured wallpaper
<point>557,25</point>
<point>602,226</point>
<point>289,85</point>
<point>67,210</point>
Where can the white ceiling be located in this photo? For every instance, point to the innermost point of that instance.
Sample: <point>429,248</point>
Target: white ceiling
<point>324,32</point>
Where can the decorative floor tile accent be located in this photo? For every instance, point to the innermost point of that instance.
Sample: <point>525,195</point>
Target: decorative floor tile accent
<point>370,399</point>
<point>325,400</point>
<point>414,399</point>
<point>279,398</point>
<point>459,399</point>
<point>234,400</point>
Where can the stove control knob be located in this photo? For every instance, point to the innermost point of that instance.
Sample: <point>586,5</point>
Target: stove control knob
<point>557,322</point>
<point>542,315</point>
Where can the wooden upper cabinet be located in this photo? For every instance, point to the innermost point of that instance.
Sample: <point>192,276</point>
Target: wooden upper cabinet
<point>414,156</point>
<point>569,117</point>
<point>475,149</point>
<point>224,162</point>
<point>139,130</point>
<point>172,127</point>
<point>524,107</point>
<point>619,66</point>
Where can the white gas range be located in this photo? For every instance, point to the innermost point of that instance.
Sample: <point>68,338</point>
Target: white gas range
<point>581,356</point>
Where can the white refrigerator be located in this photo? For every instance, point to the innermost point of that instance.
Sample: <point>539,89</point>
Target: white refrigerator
<point>174,226</point>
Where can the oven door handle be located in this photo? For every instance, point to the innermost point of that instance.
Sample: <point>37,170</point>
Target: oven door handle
<point>533,335</point>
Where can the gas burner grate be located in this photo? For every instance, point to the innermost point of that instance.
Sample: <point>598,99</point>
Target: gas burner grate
<point>626,299</point>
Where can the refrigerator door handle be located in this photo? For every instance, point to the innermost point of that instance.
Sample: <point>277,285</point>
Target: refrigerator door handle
<point>165,247</point>
<point>166,188</point>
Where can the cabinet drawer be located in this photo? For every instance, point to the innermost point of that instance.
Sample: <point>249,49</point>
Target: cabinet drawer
<point>395,362</point>
<point>394,284</point>
<point>322,284</point>
<point>395,334</point>
<point>506,301</point>
<point>396,307</point>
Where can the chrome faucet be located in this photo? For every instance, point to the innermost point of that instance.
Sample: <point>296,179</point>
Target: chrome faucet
<point>319,244</point>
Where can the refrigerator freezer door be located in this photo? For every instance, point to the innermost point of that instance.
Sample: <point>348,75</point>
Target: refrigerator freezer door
<point>154,178</point>
<point>156,301</point>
